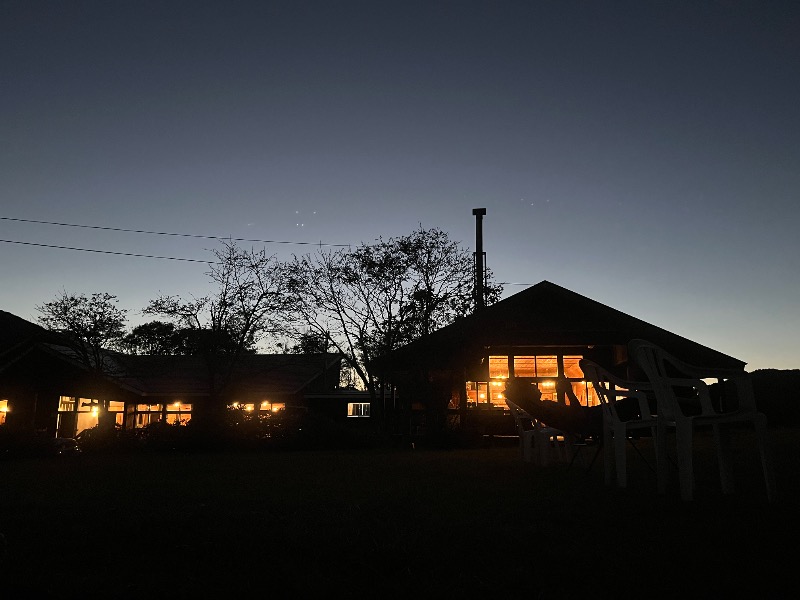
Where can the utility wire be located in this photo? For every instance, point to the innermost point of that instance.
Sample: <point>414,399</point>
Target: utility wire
<point>210,237</point>
<point>188,235</point>
<point>108,252</point>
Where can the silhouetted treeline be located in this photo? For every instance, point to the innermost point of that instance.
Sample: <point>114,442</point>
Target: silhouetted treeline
<point>777,393</point>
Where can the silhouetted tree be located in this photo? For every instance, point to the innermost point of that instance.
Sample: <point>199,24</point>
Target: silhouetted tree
<point>311,342</point>
<point>247,304</point>
<point>379,296</point>
<point>155,338</point>
<point>91,327</point>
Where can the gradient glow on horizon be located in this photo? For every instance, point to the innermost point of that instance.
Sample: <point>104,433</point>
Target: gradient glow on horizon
<point>644,155</point>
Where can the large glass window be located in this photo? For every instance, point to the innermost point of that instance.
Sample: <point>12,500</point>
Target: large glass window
<point>548,389</point>
<point>545,371</point>
<point>584,391</point>
<point>272,406</point>
<point>572,368</point>
<point>3,411</point>
<point>498,367</point>
<point>178,412</point>
<point>534,366</point>
<point>145,414</point>
<point>524,366</point>
<point>77,414</point>
<point>358,409</point>
<point>478,393</point>
<point>547,366</point>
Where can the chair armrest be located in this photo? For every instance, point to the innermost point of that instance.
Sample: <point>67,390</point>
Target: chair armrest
<point>641,400</point>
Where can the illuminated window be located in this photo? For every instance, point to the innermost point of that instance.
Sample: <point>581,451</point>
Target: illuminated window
<point>472,393</point>
<point>3,411</point>
<point>179,413</point>
<point>266,405</point>
<point>497,393</point>
<point>572,369</point>
<point>498,367</point>
<point>485,394</point>
<point>358,409</point>
<point>77,414</point>
<point>546,366</point>
<point>146,414</point>
<point>548,389</point>
<point>524,366</point>
<point>585,393</point>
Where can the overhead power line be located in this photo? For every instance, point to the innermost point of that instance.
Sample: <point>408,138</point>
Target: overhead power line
<point>188,235</point>
<point>108,252</point>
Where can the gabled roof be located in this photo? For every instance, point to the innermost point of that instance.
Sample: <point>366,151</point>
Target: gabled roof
<point>547,314</point>
<point>254,373</point>
<point>17,334</point>
<point>176,376</point>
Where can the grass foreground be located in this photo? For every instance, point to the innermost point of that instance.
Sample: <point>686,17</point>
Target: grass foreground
<point>390,523</point>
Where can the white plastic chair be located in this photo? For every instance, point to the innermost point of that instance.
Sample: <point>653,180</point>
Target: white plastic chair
<point>618,425</point>
<point>538,443</point>
<point>683,399</point>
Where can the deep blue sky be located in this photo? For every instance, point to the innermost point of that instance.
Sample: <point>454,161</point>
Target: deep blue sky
<point>644,154</point>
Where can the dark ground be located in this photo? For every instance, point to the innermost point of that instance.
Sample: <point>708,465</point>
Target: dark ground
<point>471,523</point>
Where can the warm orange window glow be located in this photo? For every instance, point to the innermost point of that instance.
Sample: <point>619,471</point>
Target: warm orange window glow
<point>524,366</point>
<point>472,393</point>
<point>66,403</point>
<point>3,411</point>
<point>358,409</point>
<point>572,369</point>
<point>546,366</point>
<point>498,367</point>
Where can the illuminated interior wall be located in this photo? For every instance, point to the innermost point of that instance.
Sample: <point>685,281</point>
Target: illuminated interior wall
<point>178,413</point>
<point>358,409</point>
<point>174,412</point>
<point>263,406</point>
<point>543,370</point>
<point>77,414</point>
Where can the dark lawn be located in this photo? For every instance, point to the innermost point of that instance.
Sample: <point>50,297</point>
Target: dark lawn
<point>389,523</point>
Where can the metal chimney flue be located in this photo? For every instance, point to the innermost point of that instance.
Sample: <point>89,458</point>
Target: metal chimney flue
<point>480,257</point>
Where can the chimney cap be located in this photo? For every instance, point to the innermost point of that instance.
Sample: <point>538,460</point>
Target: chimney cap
<point>478,211</point>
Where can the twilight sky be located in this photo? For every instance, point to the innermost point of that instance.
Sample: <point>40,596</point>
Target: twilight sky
<point>644,154</point>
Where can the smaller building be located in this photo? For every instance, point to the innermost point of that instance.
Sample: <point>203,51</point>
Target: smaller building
<point>46,389</point>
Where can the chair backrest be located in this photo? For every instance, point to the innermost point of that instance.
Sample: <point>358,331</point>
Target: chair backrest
<point>612,391</point>
<point>681,389</point>
<point>521,418</point>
